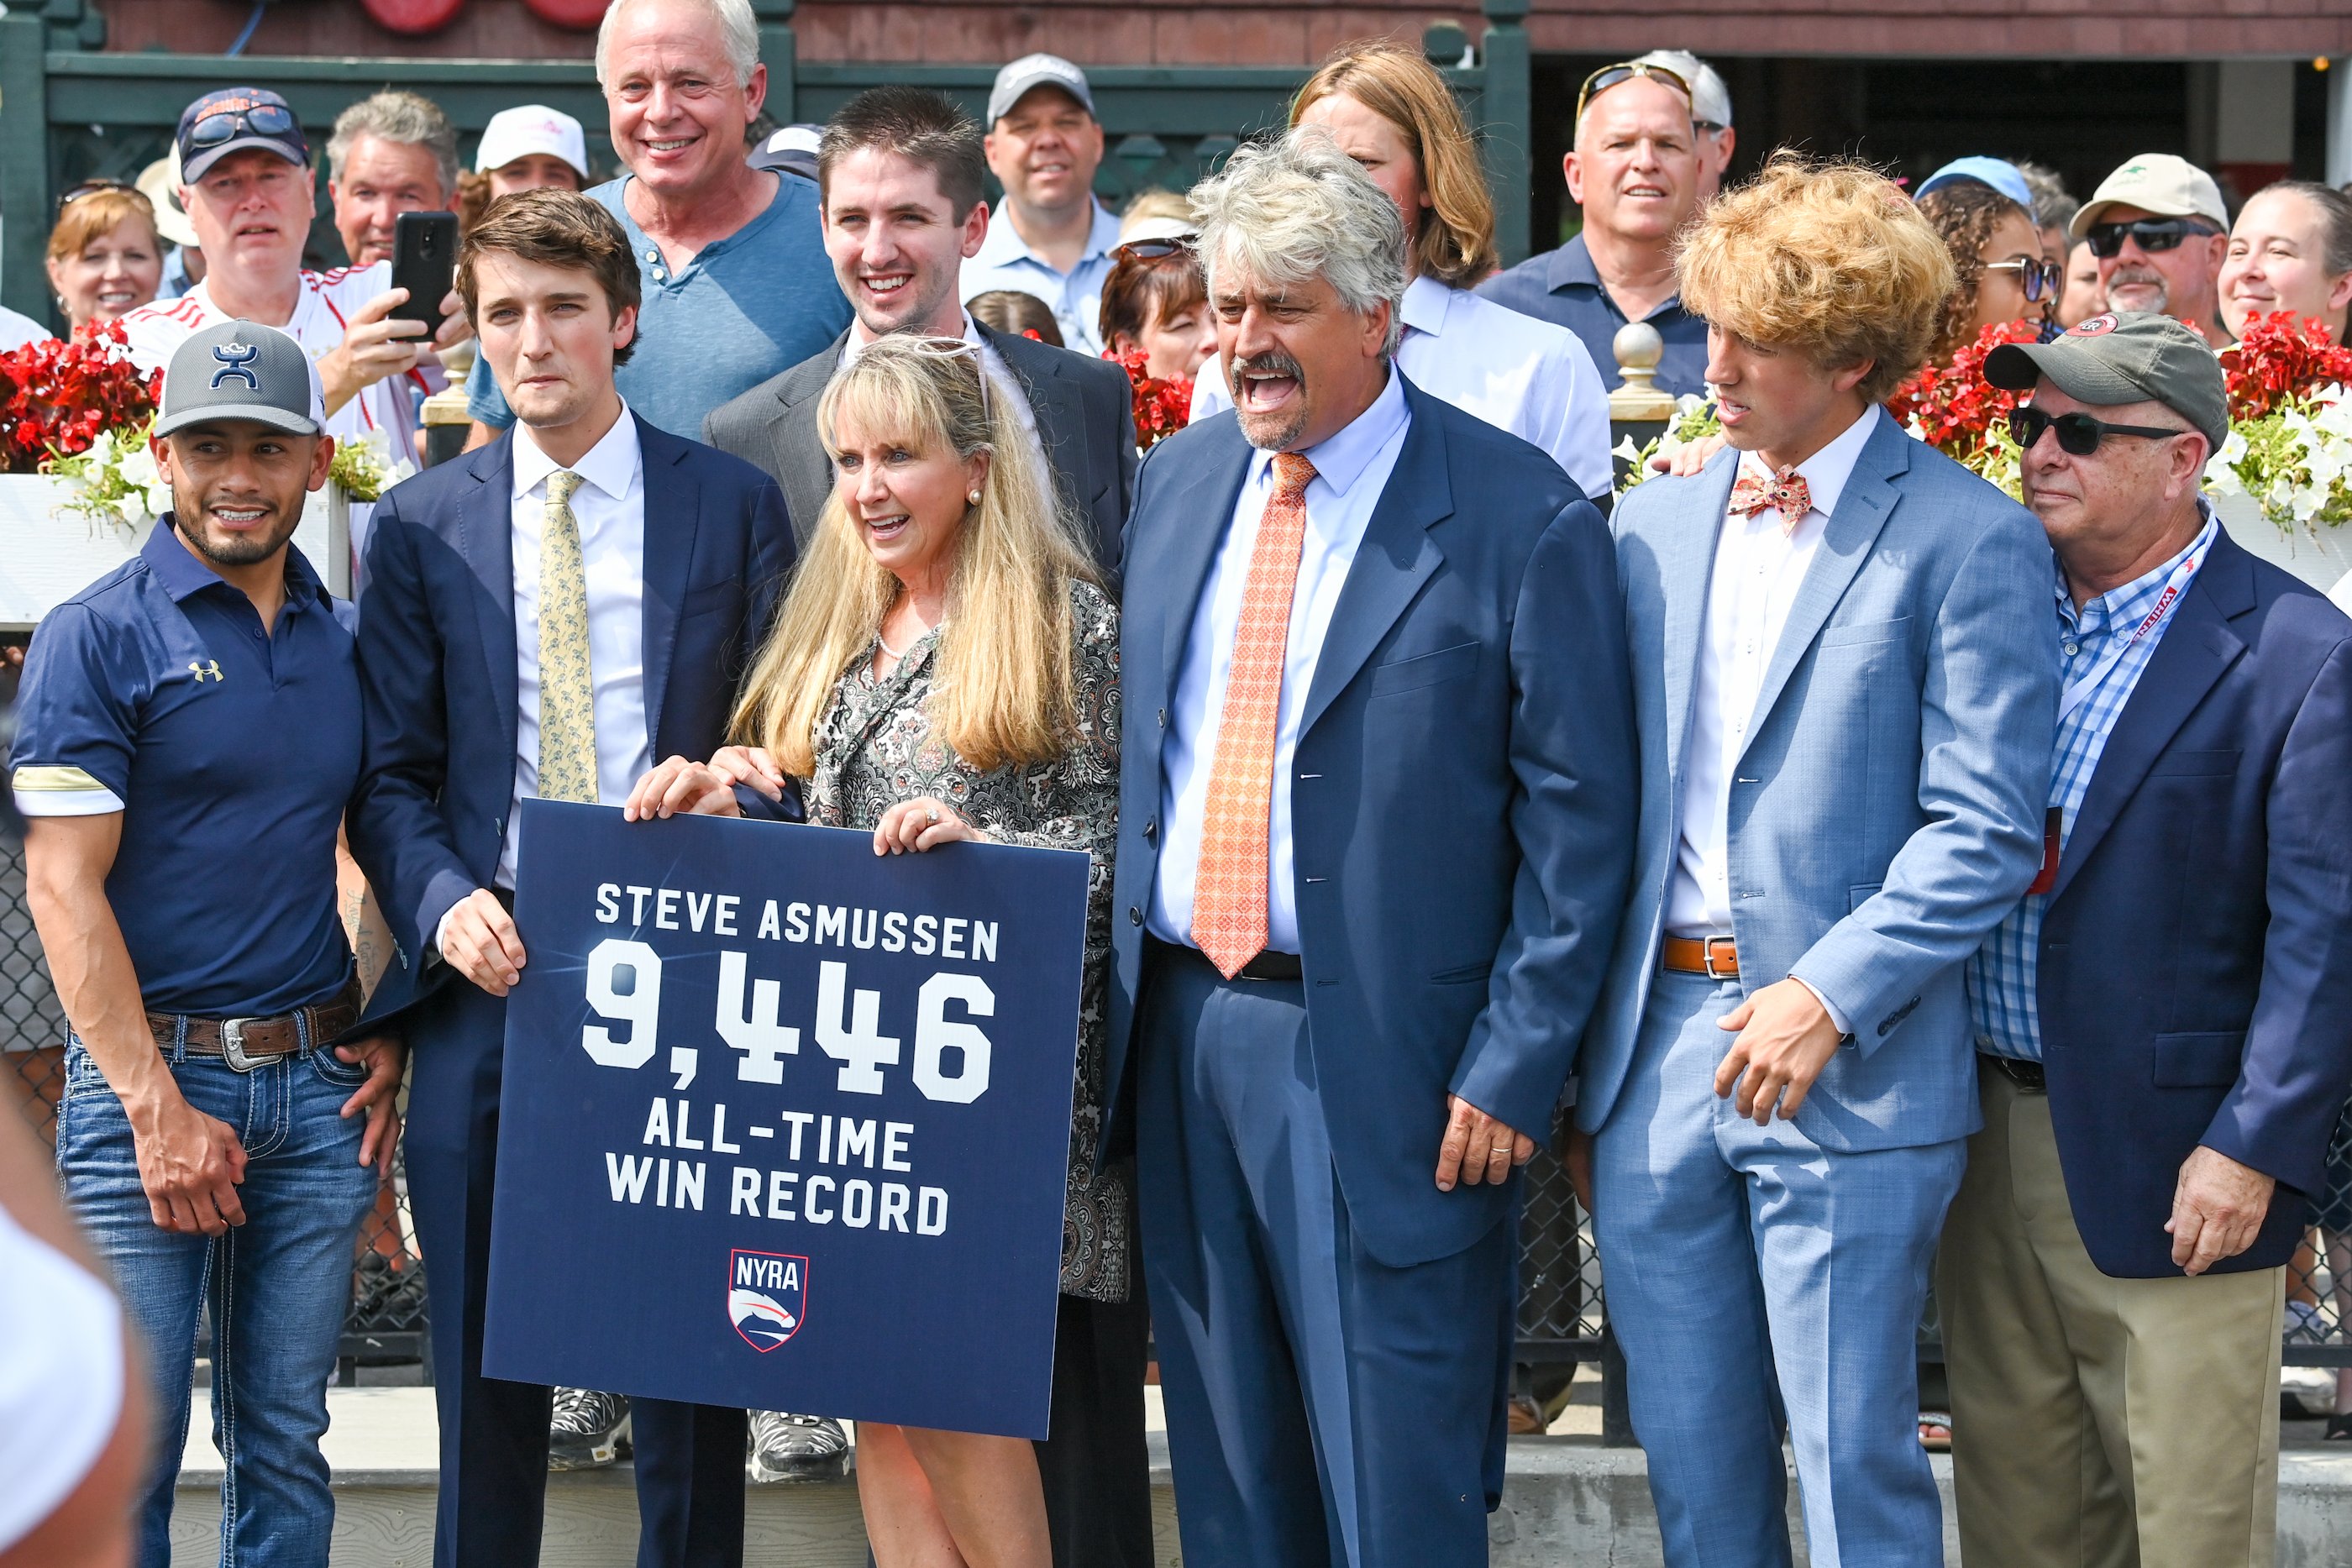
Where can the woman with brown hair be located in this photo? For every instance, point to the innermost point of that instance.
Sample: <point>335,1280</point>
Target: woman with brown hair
<point>1997,253</point>
<point>105,258</point>
<point>1389,108</point>
<point>945,667</point>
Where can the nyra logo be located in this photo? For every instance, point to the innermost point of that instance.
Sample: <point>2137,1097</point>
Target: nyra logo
<point>767,1297</point>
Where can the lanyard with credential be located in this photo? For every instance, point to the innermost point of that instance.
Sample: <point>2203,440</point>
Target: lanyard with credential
<point>2078,691</point>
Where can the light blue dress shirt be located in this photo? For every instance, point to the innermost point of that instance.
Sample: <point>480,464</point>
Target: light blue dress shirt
<point>2003,1001</point>
<point>1006,261</point>
<point>1351,470</point>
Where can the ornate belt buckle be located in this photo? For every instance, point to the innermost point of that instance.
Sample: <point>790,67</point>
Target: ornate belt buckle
<point>233,1046</point>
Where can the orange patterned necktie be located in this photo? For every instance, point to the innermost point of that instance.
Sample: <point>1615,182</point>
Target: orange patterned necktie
<point>1786,492</point>
<point>1229,894</point>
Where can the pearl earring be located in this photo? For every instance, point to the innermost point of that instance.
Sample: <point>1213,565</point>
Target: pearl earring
<point>973,497</point>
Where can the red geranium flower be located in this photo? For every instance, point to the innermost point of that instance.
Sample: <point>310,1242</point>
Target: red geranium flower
<point>58,398</point>
<point>1164,404</point>
<point>2280,360</point>
<point>1955,406</point>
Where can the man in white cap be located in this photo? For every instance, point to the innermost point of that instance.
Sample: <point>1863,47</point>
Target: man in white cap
<point>531,146</point>
<point>1044,146</point>
<point>1710,115</point>
<point>2160,232</point>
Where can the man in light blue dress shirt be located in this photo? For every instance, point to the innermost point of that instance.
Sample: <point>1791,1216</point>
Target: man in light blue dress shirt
<point>1054,241</point>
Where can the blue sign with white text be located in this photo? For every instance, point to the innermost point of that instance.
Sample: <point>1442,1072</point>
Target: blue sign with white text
<point>786,1125</point>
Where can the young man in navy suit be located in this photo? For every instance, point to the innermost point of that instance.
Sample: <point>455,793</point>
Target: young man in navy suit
<point>1375,818</point>
<point>544,617</point>
<point>2161,1024</point>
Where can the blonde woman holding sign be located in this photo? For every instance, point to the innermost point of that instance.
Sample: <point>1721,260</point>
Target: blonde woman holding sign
<point>945,667</point>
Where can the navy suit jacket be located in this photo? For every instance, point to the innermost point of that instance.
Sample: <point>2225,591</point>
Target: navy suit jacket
<point>1464,804</point>
<point>436,648</point>
<point>2196,968</point>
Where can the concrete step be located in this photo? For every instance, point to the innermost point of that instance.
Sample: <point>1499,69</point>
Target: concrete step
<point>1567,1500</point>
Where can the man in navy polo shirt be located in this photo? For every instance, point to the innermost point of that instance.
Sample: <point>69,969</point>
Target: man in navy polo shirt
<point>187,741</point>
<point>1637,170</point>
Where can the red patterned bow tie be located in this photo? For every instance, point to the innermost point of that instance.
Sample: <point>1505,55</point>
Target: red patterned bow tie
<point>1786,492</point>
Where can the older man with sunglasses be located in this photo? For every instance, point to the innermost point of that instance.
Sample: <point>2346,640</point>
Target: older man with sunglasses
<point>2159,231</point>
<point>1638,171</point>
<point>2160,1023</point>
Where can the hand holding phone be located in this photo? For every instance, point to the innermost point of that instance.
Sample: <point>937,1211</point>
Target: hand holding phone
<point>423,262</point>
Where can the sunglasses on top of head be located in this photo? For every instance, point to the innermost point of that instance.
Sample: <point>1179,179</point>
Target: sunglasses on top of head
<point>262,120</point>
<point>98,185</point>
<point>2151,234</point>
<point>1153,250</point>
<point>2037,275</point>
<point>1607,77</point>
<point>2079,434</point>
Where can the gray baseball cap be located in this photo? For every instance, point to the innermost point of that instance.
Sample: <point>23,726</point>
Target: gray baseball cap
<point>242,370</point>
<point>2129,356</point>
<point>1036,70</point>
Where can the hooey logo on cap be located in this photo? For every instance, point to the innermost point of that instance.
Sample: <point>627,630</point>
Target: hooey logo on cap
<point>236,360</point>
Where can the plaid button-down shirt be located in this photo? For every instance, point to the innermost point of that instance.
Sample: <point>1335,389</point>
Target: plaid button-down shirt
<point>2002,1000</point>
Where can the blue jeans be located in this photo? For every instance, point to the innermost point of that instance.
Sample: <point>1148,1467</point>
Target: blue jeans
<point>279,1285</point>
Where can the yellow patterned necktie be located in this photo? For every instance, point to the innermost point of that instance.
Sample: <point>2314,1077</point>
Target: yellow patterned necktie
<point>567,687</point>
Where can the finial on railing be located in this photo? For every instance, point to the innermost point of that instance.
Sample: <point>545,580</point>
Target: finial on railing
<point>1638,348</point>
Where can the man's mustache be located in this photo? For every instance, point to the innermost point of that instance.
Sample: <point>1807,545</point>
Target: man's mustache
<point>1273,362</point>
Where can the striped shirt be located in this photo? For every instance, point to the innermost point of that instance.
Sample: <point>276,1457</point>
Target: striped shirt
<point>2103,646</point>
<point>322,313</point>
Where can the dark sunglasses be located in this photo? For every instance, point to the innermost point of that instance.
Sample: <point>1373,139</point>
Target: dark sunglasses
<point>262,120</point>
<point>2078,434</point>
<point>97,186</point>
<point>1607,77</point>
<point>2152,235</point>
<point>2037,277</point>
<point>1152,249</point>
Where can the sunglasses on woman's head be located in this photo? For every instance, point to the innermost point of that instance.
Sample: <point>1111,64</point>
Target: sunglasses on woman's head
<point>1607,77</point>
<point>2036,276</point>
<point>1153,250</point>
<point>2151,234</point>
<point>2079,434</point>
<point>98,187</point>
<point>262,120</point>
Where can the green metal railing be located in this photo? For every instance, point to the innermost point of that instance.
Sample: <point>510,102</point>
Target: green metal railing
<point>69,112</point>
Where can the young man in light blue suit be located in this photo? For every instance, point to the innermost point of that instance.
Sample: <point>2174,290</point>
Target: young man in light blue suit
<point>1842,663</point>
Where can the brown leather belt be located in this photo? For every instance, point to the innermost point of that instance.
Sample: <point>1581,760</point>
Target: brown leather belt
<point>1713,957</point>
<point>246,1043</point>
<point>1268,965</point>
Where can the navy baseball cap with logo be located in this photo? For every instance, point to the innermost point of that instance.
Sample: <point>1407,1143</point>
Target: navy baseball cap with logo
<point>242,370</point>
<point>232,118</point>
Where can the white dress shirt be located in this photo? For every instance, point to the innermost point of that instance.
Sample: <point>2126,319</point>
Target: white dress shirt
<point>1757,570</point>
<point>609,507</point>
<point>1352,469</point>
<point>1520,374</point>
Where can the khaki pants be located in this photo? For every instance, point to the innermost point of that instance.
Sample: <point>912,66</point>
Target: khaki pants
<point>2097,1423</point>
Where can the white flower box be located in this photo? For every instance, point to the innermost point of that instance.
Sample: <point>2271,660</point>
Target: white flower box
<point>48,554</point>
<point>2322,557</point>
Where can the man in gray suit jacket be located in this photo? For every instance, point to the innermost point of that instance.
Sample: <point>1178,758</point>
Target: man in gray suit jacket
<point>891,175</point>
<point>900,173</point>
<point>1842,678</point>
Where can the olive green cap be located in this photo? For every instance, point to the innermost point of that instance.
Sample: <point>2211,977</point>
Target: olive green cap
<point>2124,356</point>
